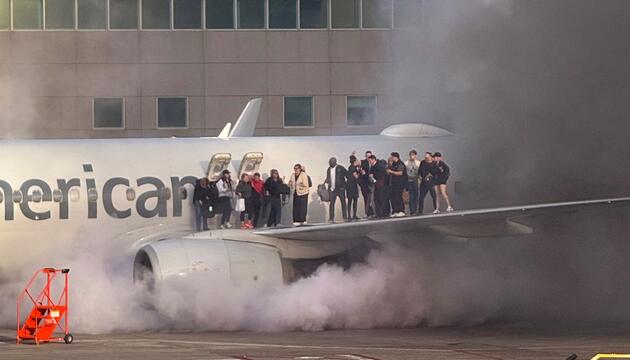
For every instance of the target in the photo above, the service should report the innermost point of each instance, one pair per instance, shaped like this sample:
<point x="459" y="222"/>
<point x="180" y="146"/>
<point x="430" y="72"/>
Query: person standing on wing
<point x="441" y="173"/>
<point x="427" y="182"/>
<point x="336" y="176"/>
<point x="299" y="184"/>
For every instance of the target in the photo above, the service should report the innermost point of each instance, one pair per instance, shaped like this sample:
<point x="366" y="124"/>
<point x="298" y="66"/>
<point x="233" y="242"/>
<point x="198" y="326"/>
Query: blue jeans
<point x="412" y="187"/>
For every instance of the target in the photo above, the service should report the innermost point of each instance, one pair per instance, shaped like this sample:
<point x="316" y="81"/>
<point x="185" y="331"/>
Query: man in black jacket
<point x="336" y="176"/>
<point x="378" y="176"/>
<point x="367" y="188"/>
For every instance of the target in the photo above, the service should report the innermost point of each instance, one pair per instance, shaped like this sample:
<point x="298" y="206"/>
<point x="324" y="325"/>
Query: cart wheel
<point x="68" y="338"/>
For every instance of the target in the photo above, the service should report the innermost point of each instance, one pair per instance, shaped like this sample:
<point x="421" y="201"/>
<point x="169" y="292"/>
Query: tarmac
<point x="551" y="341"/>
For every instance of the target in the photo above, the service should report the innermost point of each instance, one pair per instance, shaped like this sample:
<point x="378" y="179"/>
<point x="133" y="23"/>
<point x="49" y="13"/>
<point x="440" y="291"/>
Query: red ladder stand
<point x="46" y="315"/>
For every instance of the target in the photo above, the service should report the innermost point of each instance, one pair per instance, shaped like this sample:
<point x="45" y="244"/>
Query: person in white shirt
<point x="413" y="166"/>
<point x="225" y="187"/>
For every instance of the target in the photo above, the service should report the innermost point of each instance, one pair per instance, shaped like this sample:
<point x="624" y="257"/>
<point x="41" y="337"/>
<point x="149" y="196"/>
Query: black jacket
<point x="273" y="188"/>
<point x="202" y="194"/>
<point x="341" y="174"/>
<point x="426" y="171"/>
<point x="365" y="165"/>
<point x="380" y="173"/>
<point x="398" y="181"/>
<point x="441" y="171"/>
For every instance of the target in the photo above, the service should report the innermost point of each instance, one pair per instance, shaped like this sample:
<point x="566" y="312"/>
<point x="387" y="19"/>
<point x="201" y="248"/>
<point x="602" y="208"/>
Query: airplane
<point x="131" y="199"/>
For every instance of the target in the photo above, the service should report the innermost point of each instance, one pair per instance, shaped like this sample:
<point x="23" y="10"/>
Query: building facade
<point x="159" y="68"/>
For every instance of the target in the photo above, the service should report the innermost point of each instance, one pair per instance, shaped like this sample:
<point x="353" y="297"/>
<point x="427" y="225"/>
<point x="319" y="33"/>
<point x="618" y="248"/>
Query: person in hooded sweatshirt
<point x="225" y="186"/>
<point x="244" y="191"/>
<point x="273" y="195"/>
<point x="202" y="199"/>
<point x="258" y="192"/>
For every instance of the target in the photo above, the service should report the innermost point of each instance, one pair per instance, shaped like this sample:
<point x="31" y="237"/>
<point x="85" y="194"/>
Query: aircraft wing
<point x="479" y="223"/>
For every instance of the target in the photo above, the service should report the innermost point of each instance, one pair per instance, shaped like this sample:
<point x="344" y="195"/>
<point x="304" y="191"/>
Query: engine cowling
<point x="213" y="259"/>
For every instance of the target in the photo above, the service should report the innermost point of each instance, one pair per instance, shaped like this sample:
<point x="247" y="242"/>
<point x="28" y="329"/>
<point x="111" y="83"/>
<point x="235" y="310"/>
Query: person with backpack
<point x="226" y="193"/>
<point x="300" y="184"/>
<point x="202" y="199"/>
<point x="244" y="192"/>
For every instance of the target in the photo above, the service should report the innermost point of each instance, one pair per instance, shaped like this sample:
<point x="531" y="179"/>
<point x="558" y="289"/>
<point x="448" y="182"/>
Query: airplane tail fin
<point x="245" y="126"/>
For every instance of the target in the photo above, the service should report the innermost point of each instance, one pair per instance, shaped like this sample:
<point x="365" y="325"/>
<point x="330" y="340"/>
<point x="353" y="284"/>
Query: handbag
<point x="323" y="192"/>
<point x="240" y="205"/>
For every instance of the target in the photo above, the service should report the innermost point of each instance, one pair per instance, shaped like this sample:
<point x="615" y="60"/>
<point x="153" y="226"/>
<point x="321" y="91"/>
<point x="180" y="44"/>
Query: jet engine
<point x="211" y="259"/>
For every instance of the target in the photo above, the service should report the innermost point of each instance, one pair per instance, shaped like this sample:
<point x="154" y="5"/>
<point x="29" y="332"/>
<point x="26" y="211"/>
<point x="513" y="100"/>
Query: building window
<point x="5" y="14"/>
<point x="92" y="14"/>
<point x="123" y="14"/>
<point x="361" y="110"/>
<point x="220" y="14"/>
<point x="407" y="13"/>
<point x="109" y="113"/>
<point x="282" y="14"/>
<point x="172" y="112"/>
<point x="156" y="14"/>
<point x="345" y="14"/>
<point x="298" y="111"/>
<point x="314" y="14"/>
<point x="59" y="14"/>
<point x="377" y="14"/>
<point x="251" y="14"/>
<point x="187" y="14"/>
<point x="27" y="14"/>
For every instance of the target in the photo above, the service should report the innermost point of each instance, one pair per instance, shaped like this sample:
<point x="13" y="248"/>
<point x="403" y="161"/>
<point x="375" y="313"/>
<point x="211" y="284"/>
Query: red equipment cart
<point x="46" y="315"/>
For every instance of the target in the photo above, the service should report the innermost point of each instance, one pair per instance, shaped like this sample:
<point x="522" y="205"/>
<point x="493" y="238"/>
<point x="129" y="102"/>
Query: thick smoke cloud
<point x="540" y="88"/>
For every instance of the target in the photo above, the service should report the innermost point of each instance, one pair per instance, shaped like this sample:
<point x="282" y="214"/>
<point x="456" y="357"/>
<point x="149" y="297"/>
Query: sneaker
<point x="296" y="224"/>
<point x="222" y="227"/>
<point x="450" y="209"/>
<point x="249" y="225"/>
<point x="305" y="223"/>
<point x="228" y="225"/>
<point x="436" y="211"/>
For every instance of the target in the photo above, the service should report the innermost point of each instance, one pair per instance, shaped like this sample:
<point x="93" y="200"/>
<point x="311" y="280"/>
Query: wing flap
<point x="480" y="223"/>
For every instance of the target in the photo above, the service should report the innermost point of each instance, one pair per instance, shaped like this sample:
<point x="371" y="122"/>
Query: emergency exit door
<point x="218" y="163"/>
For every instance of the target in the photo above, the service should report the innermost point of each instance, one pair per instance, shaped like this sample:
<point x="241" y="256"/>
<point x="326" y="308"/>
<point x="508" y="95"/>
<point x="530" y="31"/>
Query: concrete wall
<point x="48" y="78"/>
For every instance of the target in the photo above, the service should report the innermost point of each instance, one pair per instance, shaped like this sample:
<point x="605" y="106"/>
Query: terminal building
<point x="161" y="68"/>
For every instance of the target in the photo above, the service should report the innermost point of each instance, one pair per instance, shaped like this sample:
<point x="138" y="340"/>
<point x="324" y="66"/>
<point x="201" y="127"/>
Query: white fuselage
<point x="95" y="205"/>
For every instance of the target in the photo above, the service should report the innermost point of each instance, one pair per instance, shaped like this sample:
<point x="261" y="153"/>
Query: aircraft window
<point x="156" y="14"/>
<point x="282" y="14"/>
<point x="123" y="14"/>
<point x="17" y="196"/>
<point x="27" y="14"/>
<point x="92" y="195"/>
<point x="377" y="14"/>
<point x="92" y="14"/>
<point x="1" y="198"/>
<point x="172" y="112"/>
<point x="130" y="194"/>
<point x="345" y="14"/>
<point x="220" y="14"/>
<point x="75" y="195"/>
<point x="109" y="113"/>
<point x="298" y="111"/>
<point x="314" y="14"/>
<point x="5" y="14"/>
<point x="183" y="193"/>
<point x="187" y="14"/>
<point x="57" y="195"/>
<point x="36" y="196"/>
<point x="59" y="14"/>
<point x="361" y="110"/>
<point x="251" y="14"/>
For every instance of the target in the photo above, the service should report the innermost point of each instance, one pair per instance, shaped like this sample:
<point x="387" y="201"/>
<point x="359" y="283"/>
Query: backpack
<point x="214" y="191"/>
<point x="324" y="194"/>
